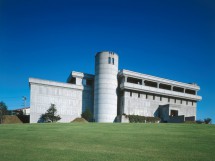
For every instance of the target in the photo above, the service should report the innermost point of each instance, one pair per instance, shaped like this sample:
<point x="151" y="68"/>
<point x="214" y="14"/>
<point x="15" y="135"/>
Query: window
<point x="109" y="60"/>
<point x="188" y="91"/>
<point x="150" y="84"/>
<point x="134" y="80"/>
<point x="174" y="113"/>
<point x="146" y="96"/>
<point x="153" y="97"/>
<point x="164" y="86"/>
<point x="138" y="95"/>
<point x="168" y="99"/>
<point x="113" y="61"/>
<point x="178" y="89"/>
<point x="130" y="93"/>
<point x="160" y="98"/>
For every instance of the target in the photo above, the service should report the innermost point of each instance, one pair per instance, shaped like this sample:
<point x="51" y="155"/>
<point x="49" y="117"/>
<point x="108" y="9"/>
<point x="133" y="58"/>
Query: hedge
<point x="142" y="119"/>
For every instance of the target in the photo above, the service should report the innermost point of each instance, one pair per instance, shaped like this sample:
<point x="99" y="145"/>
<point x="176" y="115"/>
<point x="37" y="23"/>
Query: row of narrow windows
<point x="161" y="85"/>
<point x="161" y="98"/>
<point x="87" y="82"/>
<point x="109" y="60"/>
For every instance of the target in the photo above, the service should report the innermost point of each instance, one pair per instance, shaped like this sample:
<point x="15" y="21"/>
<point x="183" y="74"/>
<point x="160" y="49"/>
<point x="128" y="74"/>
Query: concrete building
<point x="112" y="92"/>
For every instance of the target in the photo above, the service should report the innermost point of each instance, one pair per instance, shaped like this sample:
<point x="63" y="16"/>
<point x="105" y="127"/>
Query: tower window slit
<point x="109" y="60"/>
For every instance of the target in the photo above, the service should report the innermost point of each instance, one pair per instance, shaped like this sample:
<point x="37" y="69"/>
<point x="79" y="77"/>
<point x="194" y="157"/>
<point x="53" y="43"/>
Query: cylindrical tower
<point x="105" y="89"/>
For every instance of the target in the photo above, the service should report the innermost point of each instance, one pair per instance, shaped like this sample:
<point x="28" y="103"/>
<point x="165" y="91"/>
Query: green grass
<point x="107" y="142"/>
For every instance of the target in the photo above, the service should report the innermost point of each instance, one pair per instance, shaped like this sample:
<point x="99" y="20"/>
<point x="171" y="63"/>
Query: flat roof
<point x="157" y="79"/>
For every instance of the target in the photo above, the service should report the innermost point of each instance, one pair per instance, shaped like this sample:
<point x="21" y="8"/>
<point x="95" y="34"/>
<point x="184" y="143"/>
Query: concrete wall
<point x="66" y="97"/>
<point x="148" y="104"/>
<point x="185" y="110"/>
<point x="143" y="105"/>
<point x="105" y="90"/>
<point x="88" y="99"/>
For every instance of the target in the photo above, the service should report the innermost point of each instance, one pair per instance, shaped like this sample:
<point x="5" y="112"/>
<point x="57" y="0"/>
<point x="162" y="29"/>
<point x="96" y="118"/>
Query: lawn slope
<point x="107" y="142"/>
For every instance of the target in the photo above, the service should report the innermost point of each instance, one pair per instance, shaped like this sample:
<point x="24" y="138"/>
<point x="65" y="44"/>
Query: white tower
<point x="105" y="89"/>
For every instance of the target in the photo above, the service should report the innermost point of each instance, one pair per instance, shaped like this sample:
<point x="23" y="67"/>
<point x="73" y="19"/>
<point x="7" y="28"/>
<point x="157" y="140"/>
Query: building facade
<point x="112" y="92"/>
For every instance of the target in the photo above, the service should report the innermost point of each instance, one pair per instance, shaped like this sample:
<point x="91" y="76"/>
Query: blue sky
<point x="48" y="39"/>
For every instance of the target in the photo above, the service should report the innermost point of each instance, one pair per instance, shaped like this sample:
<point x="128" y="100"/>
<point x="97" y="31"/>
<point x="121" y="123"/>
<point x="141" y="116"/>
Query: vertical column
<point x="125" y="79"/>
<point x="158" y="84"/>
<point x="79" y="81"/>
<point x="143" y="82"/>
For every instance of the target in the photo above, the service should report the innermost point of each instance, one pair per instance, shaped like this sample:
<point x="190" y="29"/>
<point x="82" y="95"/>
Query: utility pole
<point x="24" y="100"/>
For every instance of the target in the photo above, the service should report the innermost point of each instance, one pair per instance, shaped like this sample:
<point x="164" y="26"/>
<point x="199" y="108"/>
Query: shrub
<point x="199" y="121"/>
<point x="87" y="115"/>
<point x="142" y="119"/>
<point x="208" y="121"/>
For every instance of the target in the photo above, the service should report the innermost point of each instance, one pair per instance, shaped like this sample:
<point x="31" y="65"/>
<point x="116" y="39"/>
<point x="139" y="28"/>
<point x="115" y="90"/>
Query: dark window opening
<point x="165" y="86"/>
<point x="146" y="96"/>
<point x="109" y="60"/>
<point x="134" y="80"/>
<point x="73" y="81"/>
<point x="168" y="99"/>
<point x="153" y="97"/>
<point x="160" y="98"/>
<point x="89" y="82"/>
<point x="113" y="61"/>
<point x="138" y="95"/>
<point x="186" y="102"/>
<point x="178" y="89"/>
<point x="150" y="84"/>
<point x="188" y="91"/>
<point x="174" y="113"/>
<point x="130" y="93"/>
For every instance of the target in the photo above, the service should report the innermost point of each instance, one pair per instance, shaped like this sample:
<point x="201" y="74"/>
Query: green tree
<point x="87" y="115"/>
<point x="3" y="111"/>
<point x="51" y="115"/>
<point x="208" y="120"/>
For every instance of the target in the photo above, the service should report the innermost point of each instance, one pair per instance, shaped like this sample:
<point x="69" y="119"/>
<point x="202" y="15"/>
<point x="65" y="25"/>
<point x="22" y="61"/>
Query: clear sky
<point x="48" y="39"/>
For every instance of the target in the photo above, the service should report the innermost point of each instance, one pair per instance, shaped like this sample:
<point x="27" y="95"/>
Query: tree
<point x="208" y="121"/>
<point x="50" y="115"/>
<point x="87" y="115"/>
<point x="3" y="111"/>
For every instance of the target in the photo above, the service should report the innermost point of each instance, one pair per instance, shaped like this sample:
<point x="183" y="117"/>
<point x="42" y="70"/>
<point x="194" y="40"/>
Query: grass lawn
<point x="106" y="142"/>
